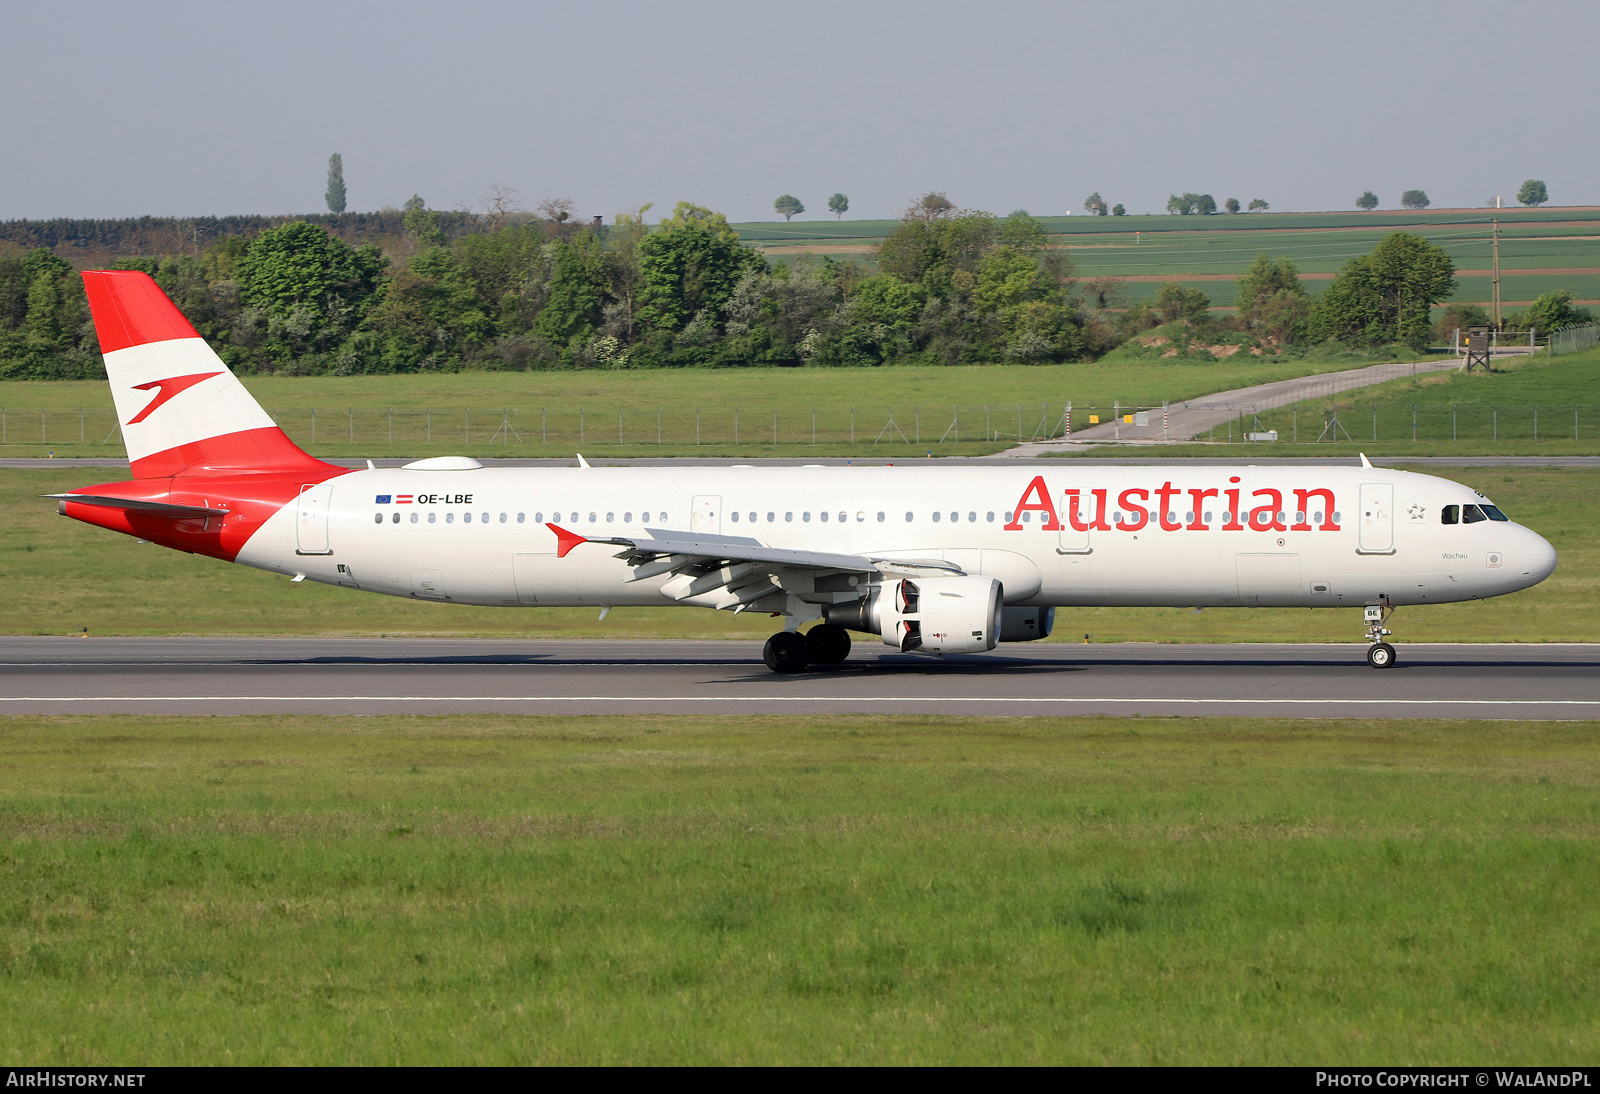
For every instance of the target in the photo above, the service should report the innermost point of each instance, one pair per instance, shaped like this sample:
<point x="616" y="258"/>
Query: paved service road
<point x="1191" y="418"/>
<point x="427" y="676"/>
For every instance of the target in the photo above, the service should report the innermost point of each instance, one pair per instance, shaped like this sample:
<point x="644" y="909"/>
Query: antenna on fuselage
<point x="1364" y="461"/>
<point x="581" y="461"/>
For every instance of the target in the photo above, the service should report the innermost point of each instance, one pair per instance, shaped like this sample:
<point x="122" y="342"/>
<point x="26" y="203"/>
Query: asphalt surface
<point x="424" y="676"/>
<point x="1186" y="420"/>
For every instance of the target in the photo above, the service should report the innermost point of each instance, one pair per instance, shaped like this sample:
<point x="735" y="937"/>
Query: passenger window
<point x="788" y="517"/>
<point x="485" y="517"/>
<point x="1008" y="516"/>
<point x="502" y="518"/>
<point x="397" y="518"/>
<point x="377" y="518"/>
<point x="735" y="517"/>
<point x="908" y="518"/>
<point x="449" y="518"/>
<point x="627" y="518"/>
<point x="936" y="516"/>
<point x="1493" y="512"/>
<point x="432" y="517"/>
<point x="806" y="517"/>
<point x="880" y="518"/>
<point x="538" y="518"/>
<point x="955" y="518"/>
<point x="752" y="518"/>
<point x="1471" y="514"/>
<point x="611" y="518"/>
<point x="991" y="518"/>
<point x="413" y="518"/>
<point x="972" y="518"/>
<point x="771" y="517"/>
<point x="593" y="519"/>
<point x="466" y="518"/>
<point x="843" y="517"/>
<point x="824" y="517"/>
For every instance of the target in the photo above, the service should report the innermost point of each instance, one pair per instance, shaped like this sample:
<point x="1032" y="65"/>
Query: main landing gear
<point x="789" y="651"/>
<point x="1380" y="655"/>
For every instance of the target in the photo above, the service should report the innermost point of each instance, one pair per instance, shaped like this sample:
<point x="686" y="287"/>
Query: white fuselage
<point x="1054" y="534"/>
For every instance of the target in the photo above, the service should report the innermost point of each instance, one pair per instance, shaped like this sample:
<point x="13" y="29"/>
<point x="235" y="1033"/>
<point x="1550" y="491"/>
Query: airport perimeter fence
<point x="508" y="430"/>
<point x="1575" y="339"/>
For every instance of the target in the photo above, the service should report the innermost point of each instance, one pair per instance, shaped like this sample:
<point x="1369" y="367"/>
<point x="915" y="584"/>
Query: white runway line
<point x="1080" y="701"/>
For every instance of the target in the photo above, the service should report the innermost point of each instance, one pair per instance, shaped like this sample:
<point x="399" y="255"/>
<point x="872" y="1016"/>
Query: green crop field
<point x="63" y="576"/>
<point x="1195" y="250"/>
<point x="845" y="411"/>
<point x="507" y="890"/>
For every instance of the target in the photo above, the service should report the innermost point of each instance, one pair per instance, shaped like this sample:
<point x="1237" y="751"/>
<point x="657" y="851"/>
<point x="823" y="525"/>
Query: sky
<point x="188" y="109"/>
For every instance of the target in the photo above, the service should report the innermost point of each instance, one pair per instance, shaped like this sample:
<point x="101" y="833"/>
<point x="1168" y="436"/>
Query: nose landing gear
<point x="1380" y="655"/>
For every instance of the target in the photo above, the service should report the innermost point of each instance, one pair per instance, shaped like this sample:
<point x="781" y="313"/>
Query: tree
<point x="1386" y="296"/>
<point x="1553" y="310"/>
<point x="1367" y="201"/>
<point x="1205" y="205"/>
<point x="1178" y="302"/>
<point x="413" y="202"/>
<point x="839" y="205"/>
<point x="930" y="207"/>
<point x="1256" y="204"/>
<point x="1095" y="204"/>
<point x="1415" y="199"/>
<point x="689" y="271"/>
<point x="335" y="194"/>
<point x="1118" y="211"/>
<point x="1533" y="192"/>
<point x="1232" y="205"/>
<point x="787" y="206"/>
<point x="301" y="267"/>
<point x="1202" y="204"/>
<point x="1180" y="205"/>
<point x="422" y="225"/>
<point x="1272" y="300"/>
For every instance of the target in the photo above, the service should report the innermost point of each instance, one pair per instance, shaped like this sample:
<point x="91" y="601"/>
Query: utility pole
<point x="1496" y="273"/>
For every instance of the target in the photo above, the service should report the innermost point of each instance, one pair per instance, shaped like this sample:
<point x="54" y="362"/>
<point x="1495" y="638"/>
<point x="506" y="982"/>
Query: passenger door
<point x="1376" y="531"/>
<point x="311" y="524"/>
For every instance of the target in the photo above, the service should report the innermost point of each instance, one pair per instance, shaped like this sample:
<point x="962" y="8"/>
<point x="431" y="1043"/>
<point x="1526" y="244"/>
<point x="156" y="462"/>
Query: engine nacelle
<point x="1026" y="624"/>
<point x="930" y="615"/>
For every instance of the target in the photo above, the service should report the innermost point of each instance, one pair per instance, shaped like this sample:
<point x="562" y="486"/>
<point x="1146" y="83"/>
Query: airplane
<point x="934" y="558"/>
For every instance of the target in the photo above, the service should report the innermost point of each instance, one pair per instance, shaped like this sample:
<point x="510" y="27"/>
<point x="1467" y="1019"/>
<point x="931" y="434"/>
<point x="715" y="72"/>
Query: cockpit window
<point x="1451" y="514"/>
<point x="1493" y="512"/>
<point x="1471" y="514"/>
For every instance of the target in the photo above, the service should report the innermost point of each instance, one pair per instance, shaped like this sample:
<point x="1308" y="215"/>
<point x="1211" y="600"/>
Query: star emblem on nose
<point x="1417" y="512"/>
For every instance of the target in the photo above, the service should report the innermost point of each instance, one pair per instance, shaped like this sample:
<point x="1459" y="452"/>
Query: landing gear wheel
<point x="1380" y="655"/>
<point x="787" y="652"/>
<point x="828" y="644"/>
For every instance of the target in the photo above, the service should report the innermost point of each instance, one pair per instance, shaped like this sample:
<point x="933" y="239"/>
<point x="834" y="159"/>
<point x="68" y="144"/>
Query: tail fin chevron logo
<point x="173" y="385"/>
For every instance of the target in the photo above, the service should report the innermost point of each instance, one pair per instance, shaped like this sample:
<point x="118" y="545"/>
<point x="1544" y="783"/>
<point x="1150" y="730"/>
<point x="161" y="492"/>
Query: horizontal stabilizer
<point x="155" y="508"/>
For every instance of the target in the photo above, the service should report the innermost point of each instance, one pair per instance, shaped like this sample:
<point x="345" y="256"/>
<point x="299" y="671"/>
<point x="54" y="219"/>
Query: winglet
<point x="1364" y="461"/>
<point x="565" y="540"/>
<point x="581" y="461"/>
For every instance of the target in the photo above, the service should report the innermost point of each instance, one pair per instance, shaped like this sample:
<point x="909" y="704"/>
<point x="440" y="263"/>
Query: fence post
<point x="352" y="411"/>
<point x="1374" y="421"/>
<point x="1165" y="421"/>
<point x="580" y="426"/>
<point x="1494" y="423"/>
<point x="313" y="425"/>
<point x="813" y="427"/>
<point x="697" y="425"/>
<point x="852" y="425"/>
<point x="916" y="427"/>
<point x="1452" y="422"/>
<point x="735" y="425"/>
<point x="544" y="435"/>
<point x="391" y="425"/>
<point x="80" y="425"/>
<point x="1413" y="422"/>
<point x="658" y="425"/>
<point x="619" y="427"/>
<point x="774" y="427"/>
<point x="466" y="425"/>
<point x="1069" y="421"/>
<point x="1536" y="423"/>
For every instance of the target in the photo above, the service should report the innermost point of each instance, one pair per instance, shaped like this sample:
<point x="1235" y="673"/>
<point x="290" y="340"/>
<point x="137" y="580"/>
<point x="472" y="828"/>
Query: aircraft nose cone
<point x="1538" y="558"/>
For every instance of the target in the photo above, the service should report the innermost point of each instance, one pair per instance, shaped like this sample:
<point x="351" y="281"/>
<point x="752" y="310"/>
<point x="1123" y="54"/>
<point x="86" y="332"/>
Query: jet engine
<point x="930" y="615"/>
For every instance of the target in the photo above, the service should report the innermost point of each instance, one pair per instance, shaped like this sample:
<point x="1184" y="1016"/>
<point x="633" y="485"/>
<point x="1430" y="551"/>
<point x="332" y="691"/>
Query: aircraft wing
<point x="735" y="563"/>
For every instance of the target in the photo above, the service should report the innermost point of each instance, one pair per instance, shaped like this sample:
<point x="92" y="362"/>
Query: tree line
<point x="506" y="290"/>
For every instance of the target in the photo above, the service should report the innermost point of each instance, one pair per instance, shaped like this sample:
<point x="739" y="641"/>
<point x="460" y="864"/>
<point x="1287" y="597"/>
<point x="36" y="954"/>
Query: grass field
<point x="62" y="576"/>
<point x="1533" y="404"/>
<point x="557" y="413"/>
<point x="503" y="890"/>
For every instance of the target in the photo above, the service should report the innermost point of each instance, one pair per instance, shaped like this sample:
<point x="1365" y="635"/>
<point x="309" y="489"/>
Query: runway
<point x="611" y="677"/>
